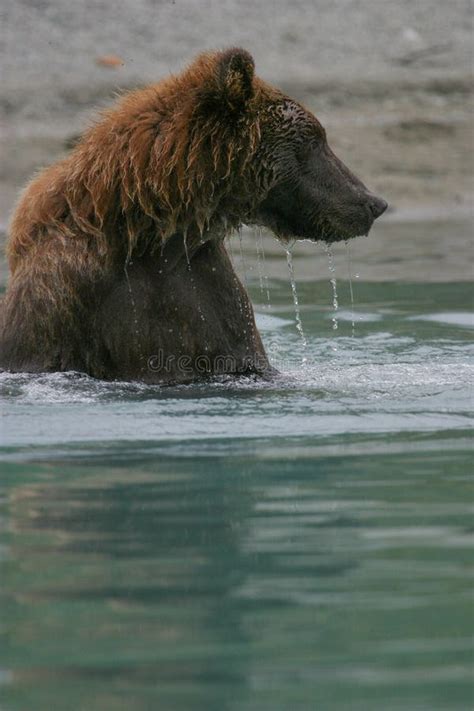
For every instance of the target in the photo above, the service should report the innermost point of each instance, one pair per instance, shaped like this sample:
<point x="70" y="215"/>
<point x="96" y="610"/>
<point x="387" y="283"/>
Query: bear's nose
<point x="377" y="206"/>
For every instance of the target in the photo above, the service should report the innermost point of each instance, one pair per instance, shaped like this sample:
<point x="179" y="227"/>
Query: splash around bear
<point x="117" y="256"/>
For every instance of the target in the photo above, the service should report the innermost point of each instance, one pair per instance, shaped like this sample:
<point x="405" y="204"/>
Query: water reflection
<point x="238" y="581"/>
<point x="133" y="574"/>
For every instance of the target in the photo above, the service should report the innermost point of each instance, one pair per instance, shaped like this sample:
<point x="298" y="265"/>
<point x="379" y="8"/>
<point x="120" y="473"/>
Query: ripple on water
<point x="396" y="376"/>
<point x="322" y="400"/>
<point x="464" y="320"/>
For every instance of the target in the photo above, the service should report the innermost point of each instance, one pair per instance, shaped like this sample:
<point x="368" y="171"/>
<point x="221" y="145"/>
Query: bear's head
<point x="299" y="188"/>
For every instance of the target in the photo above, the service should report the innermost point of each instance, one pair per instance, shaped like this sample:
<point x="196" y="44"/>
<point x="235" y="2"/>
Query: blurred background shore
<point x="391" y="82"/>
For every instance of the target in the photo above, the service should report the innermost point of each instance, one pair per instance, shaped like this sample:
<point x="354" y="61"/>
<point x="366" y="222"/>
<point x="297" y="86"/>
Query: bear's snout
<point x="377" y="206"/>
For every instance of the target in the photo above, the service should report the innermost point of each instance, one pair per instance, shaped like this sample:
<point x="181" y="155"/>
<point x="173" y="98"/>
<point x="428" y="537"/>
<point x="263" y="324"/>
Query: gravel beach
<point x="391" y="82"/>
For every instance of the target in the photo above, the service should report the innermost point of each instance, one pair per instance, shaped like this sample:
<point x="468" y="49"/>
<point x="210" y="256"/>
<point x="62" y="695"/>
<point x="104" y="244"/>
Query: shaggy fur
<point x="183" y="161"/>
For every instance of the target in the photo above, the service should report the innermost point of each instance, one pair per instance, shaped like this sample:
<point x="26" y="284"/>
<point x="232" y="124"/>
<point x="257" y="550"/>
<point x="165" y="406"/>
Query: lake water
<point x="304" y="543"/>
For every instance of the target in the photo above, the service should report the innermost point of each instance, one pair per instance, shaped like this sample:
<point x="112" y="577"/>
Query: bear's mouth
<point x="323" y="231"/>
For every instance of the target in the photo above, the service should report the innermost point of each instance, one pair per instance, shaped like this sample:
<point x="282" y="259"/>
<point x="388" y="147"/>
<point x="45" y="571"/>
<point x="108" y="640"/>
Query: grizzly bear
<point x="117" y="255"/>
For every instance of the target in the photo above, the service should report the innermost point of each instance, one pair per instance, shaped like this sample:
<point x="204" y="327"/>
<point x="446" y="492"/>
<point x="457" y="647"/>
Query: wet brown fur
<point x="158" y="162"/>
<point x="116" y="252"/>
<point x="169" y="158"/>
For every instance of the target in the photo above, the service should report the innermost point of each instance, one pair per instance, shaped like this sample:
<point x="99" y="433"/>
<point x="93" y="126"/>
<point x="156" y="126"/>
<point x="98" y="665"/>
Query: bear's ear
<point x="235" y="71"/>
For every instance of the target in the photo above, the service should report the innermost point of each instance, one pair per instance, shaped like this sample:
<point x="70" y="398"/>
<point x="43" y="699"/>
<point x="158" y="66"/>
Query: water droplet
<point x="351" y="290"/>
<point x="242" y="259"/>
<point x="236" y="280"/>
<point x="127" y="264"/>
<point x="299" y="324"/>
<point x="333" y="282"/>
<point x="262" y="271"/>
<point x="186" y="252"/>
<point x="191" y="277"/>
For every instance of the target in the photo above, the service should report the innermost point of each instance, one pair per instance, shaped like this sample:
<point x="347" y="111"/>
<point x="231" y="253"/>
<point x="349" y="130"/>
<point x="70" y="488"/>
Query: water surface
<point x="295" y="544"/>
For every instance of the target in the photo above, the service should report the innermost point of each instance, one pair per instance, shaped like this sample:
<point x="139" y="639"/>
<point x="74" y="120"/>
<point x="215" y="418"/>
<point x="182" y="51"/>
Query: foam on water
<point x="337" y="398"/>
<point x="396" y="376"/>
<point x="336" y="377"/>
<point x="465" y="320"/>
<point x="362" y="316"/>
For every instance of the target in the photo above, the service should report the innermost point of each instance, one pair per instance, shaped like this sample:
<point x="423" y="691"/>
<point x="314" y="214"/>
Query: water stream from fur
<point x="245" y="309"/>
<point x="127" y="264"/>
<point x="333" y="282"/>
<point x="351" y="290"/>
<point x="299" y="324"/>
<point x="191" y="277"/>
<point x="242" y="259"/>
<point x="186" y="251"/>
<point x="236" y="279"/>
<point x="262" y="269"/>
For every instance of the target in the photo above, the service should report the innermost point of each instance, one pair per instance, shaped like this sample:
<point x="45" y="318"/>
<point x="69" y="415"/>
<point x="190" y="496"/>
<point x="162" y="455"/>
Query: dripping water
<point x="262" y="268"/>
<point x="299" y="325"/>
<point x="129" y="263"/>
<point x="242" y="259"/>
<point x="351" y="290"/>
<point x="191" y="276"/>
<point x="236" y="280"/>
<point x="246" y="309"/>
<point x="186" y="251"/>
<point x="333" y="282"/>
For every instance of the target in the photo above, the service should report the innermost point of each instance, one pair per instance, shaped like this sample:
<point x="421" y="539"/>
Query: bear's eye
<point x="311" y="146"/>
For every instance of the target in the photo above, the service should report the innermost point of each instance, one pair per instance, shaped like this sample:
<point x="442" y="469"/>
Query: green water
<point x="299" y="544"/>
